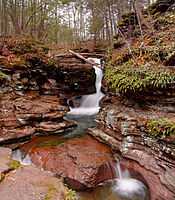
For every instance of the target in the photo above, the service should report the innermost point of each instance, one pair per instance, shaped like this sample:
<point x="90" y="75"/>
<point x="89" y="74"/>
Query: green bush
<point x="160" y="127"/>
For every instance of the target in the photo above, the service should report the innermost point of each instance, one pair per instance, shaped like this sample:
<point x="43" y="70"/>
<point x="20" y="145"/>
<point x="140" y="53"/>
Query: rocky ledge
<point x="27" y="182"/>
<point x="150" y="159"/>
<point x="23" y="116"/>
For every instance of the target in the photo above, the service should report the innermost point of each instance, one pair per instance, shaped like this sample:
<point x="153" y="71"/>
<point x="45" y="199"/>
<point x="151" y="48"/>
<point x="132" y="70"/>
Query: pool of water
<point x="108" y="192"/>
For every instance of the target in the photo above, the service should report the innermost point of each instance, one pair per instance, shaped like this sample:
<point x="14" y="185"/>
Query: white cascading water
<point x="19" y="156"/>
<point x="129" y="188"/>
<point x="90" y="103"/>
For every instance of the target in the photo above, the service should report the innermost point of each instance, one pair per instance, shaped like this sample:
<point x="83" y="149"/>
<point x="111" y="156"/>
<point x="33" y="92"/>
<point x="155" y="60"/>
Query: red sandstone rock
<point x="83" y="162"/>
<point x="30" y="183"/>
<point x="23" y="116"/>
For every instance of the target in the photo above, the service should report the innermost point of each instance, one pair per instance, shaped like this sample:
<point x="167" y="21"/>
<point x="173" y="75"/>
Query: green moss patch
<point x="51" y="143"/>
<point x="3" y="76"/>
<point x="160" y="128"/>
<point x="14" y="164"/>
<point x="71" y="195"/>
<point x="51" y="193"/>
<point x="127" y="79"/>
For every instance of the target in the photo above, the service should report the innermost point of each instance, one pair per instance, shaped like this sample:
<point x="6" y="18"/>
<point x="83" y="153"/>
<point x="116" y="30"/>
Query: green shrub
<point x="160" y="127"/>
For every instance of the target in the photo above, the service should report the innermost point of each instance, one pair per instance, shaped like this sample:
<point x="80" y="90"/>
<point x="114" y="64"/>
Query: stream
<point x="123" y="188"/>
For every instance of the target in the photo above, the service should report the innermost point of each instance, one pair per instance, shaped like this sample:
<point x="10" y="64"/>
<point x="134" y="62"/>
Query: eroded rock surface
<point x="83" y="162"/>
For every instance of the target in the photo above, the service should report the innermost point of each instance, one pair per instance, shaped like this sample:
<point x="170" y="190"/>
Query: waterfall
<point x="22" y="158"/>
<point x="127" y="187"/>
<point x="89" y="104"/>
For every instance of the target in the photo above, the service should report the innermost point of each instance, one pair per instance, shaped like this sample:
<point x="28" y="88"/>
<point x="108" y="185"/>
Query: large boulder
<point x="83" y="162"/>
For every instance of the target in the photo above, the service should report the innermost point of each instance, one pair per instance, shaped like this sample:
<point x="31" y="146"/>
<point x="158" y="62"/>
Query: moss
<point x="51" y="143"/>
<point x="51" y="193"/>
<point x="127" y="79"/>
<point x="14" y="164"/>
<point x="160" y="128"/>
<point x="3" y="76"/>
<point x="71" y="195"/>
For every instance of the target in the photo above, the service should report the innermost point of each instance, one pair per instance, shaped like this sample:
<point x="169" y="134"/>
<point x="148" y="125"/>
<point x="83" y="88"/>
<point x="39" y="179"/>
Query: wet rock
<point x="83" y="162"/>
<point x="30" y="183"/>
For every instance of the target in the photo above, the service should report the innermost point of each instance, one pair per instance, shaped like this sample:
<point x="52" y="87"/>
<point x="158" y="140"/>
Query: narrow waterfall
<point x="129" y="188"/>
<point x="89" y="104"/>
<point x="22" y="158"/>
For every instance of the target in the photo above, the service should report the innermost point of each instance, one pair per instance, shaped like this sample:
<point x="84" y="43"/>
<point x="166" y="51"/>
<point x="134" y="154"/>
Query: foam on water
<point x="89" y="104"/>
<point x="127" y="187"/>
<point x="130" y="188"/>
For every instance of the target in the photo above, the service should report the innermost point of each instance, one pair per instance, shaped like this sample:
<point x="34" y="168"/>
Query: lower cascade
<point x="89" y="104"/>
<point x="128" y="188"/>
<point x="21" y="157"/>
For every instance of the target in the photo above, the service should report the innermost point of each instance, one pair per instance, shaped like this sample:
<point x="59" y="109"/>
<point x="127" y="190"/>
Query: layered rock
<point x="151" y="160"/>
<point x="23" y="116"/>
<point x="77" y="76"/>
<point x="83" y="162"/>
